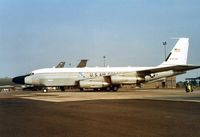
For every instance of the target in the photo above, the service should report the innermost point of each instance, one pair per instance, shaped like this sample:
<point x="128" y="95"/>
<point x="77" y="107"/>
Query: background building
<point x="164" y="83"/>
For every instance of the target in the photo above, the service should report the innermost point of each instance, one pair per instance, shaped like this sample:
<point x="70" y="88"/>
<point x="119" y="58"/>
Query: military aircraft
<point x="60" y="65"/>
<point x="81" y="64"/>
<point x="110" y="78"/>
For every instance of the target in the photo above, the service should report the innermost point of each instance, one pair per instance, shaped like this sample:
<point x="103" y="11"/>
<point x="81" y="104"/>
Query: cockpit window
<point x="28" y="74"/>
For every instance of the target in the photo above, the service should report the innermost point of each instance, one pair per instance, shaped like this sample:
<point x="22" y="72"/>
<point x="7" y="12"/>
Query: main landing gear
<point x="109" y="88"/>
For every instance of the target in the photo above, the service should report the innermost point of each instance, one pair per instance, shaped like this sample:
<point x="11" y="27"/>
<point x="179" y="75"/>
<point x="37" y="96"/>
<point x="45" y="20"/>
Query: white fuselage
<point x="70" y="76"/>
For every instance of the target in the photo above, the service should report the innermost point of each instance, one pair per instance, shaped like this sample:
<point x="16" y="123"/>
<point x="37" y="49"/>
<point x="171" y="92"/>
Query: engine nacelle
<point x="93" y="84"/>
<point x="126" y="80"/>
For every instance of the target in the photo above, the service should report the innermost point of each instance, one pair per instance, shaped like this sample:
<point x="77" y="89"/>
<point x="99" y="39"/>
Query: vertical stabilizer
<point x="60" y="65"/>
<point x="82" y="63"/>
<point x="179" y="54"/>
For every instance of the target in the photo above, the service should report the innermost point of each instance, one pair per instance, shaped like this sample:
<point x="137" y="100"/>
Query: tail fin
<point x="179" y="54"/>
<point x="82" y="63"/>
<point x="60" y="65"/>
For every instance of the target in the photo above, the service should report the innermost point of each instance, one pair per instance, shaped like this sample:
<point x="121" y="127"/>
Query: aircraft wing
<point x="180" y="68"/>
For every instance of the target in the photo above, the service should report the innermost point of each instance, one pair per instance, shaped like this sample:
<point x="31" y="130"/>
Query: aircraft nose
<point x="19" y="79"/>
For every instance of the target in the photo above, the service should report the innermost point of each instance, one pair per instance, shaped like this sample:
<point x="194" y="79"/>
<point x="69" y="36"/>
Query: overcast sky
<point x="40" y="33"/>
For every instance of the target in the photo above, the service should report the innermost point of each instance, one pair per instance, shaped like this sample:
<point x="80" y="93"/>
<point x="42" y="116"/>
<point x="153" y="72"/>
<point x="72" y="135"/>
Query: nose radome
<point x="19" y="80"/>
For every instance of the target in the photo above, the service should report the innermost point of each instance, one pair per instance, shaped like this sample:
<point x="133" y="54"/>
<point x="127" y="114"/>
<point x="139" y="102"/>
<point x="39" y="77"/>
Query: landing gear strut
<point x="62" y="89"/>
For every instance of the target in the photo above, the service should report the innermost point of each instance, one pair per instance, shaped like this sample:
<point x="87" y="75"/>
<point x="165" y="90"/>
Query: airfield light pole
<point x="104" y="61"/>
<point x="164" y="44"/>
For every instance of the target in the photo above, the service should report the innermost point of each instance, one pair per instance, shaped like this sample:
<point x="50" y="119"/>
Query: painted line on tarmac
<point x="82" y="96"/>
<point x="178" y="100"/>
<point x="72" y="99"/>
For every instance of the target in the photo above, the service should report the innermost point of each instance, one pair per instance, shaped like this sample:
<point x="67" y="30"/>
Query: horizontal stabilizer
<point x="180" y="68"/>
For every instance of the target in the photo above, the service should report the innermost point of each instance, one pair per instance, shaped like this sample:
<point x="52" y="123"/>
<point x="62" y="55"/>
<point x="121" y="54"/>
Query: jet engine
<point x="93" y="84"/>
<point x="126" y="80"/>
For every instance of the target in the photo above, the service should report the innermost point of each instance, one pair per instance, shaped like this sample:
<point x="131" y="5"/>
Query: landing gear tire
<point x="115" y="88"/>
<point x="108" y="88"/>
<point x="98" y="89"/>
<point x="45" y="90"/>
<point x="62" y="89"/>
